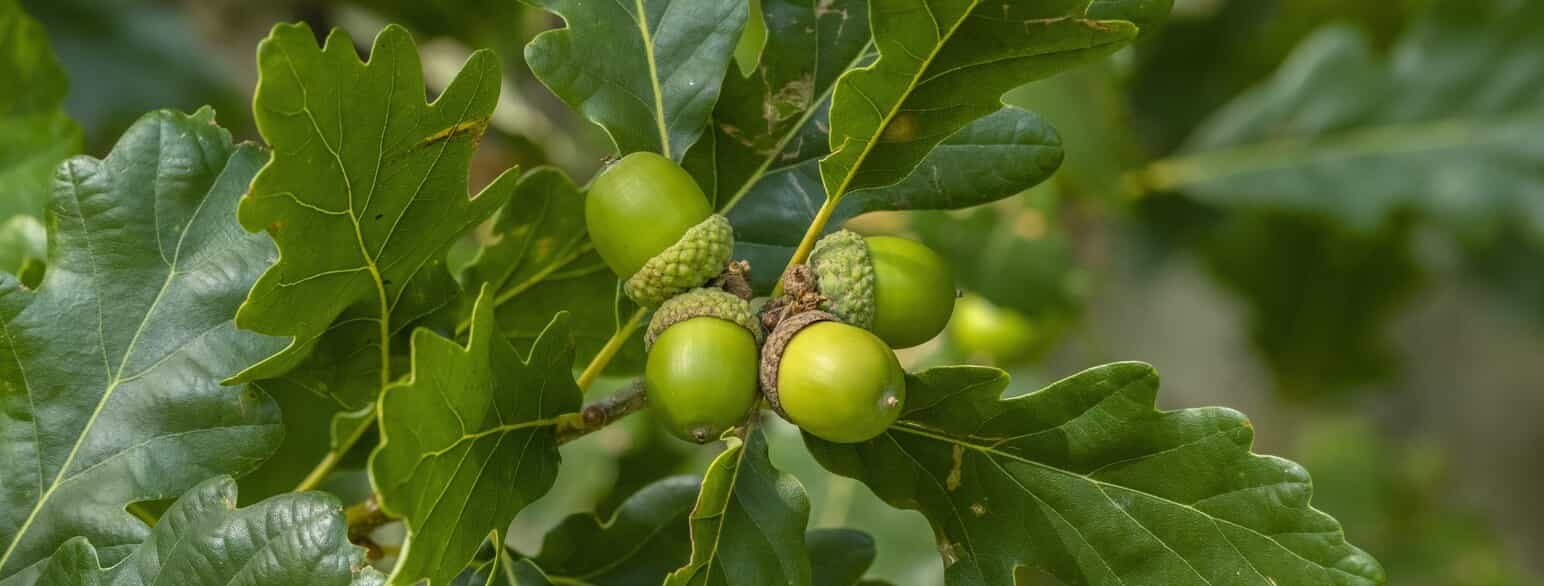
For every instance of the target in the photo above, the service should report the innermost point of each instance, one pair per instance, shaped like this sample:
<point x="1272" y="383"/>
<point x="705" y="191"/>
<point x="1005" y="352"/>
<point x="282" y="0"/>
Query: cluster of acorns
<point x="820" y="353"/>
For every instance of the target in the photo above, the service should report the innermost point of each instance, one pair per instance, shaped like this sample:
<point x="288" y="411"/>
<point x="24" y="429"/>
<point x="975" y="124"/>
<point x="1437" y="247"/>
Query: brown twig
<point x="599" y="414"/>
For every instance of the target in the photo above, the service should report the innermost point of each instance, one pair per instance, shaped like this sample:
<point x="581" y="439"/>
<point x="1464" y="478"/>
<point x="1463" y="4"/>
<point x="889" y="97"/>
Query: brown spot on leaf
<point x="946" y="549"/>
<point x="953" y="481"/>
<point x="902" y="128"/>
<point x="788" y="101"/>
<point x="474" y="127"/>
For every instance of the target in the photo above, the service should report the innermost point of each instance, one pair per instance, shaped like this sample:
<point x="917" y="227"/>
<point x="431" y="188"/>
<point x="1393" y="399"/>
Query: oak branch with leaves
<point x="287" y="312"/>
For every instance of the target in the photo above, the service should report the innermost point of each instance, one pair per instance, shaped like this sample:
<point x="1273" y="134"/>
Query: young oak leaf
<point x="295" y="538"/>
<point x="467" y="439"/>
<point x="367" y="183"/>
<point x="943" y="64"/>
<point x="110" y="371"/>
<point x="748" y="522"/>
<point x="1086" y="480"/>
<point x="647" y="71"/>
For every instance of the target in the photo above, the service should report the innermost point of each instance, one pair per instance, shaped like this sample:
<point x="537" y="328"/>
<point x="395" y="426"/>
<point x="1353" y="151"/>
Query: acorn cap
<point x="699" y="255"/>
<point x="845" y="276"/>
<point x="772" y="352"/>
<point x="704" y="302"/>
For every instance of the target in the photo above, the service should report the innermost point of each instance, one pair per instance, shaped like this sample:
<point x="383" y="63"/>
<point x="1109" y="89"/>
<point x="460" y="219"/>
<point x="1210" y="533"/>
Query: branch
<point x="324" y="467"/>
<point x="602" y="413"/>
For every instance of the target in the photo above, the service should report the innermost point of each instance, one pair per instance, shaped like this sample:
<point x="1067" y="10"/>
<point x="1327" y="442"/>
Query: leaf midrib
<point x="383" y="323"/>
<point x="659" y="96"/>
<point x="868" y="146"/>
<point x="734" y="479"/>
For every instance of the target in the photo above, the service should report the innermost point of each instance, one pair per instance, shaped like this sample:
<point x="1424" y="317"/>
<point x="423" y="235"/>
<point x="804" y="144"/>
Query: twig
<point x="602" y="413"/>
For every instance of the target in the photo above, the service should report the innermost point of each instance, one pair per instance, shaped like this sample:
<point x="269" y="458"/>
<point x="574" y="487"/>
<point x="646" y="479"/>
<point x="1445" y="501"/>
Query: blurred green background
<point x="1379" y="315"/>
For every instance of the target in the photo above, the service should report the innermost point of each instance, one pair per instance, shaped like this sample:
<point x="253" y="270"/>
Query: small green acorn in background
<point x="897" y="288"/>
<point x="1000" y="335"/>
<point x="701" y="373"/>
<point x="654" y="227"/>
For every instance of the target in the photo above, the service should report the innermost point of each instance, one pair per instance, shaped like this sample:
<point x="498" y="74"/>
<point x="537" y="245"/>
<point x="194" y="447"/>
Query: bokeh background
<point x="1328" y="214"/>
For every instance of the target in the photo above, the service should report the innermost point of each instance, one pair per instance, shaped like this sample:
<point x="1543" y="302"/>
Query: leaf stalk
<point x="601" y="413"/>
<point x="807" y="244"/>
<point x="609" y="351"/>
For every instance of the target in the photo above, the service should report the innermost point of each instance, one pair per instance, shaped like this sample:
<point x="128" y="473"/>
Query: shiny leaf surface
<point x="297" y="538"/>
<point x="111" y="370"/>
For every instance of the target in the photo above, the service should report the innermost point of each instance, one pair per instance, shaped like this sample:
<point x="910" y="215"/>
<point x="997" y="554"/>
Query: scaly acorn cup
<point x="845" y="276"/>
<point x="836" y="381"/>
<point x="897" y="288"/>
<point x="700" y="376"/>
<point x="699" y="255"/>
<point x="652" y="224"/>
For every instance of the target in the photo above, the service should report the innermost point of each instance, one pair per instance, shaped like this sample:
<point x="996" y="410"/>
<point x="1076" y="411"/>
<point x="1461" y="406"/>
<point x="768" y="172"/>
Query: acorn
<point x="897" y="288"/>
<point x="701" y="372"/>
<point x="654" y="227"/>
<point x="836" y="381"/>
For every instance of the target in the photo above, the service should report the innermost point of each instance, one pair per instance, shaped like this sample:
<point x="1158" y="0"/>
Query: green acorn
<point x="655" y="228"/>
<point x="701" y="373"/>
<point x="707" y="301"/>
<point x="699" y="255"/>
<point x="897" y="288"/>
<point x="836" y="381"/>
